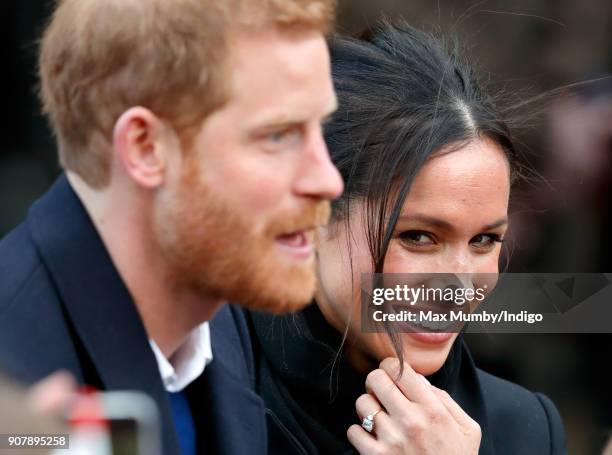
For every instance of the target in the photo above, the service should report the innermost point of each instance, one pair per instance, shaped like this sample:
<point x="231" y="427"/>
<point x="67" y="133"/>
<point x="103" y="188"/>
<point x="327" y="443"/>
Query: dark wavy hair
<point x="404" y="95"/>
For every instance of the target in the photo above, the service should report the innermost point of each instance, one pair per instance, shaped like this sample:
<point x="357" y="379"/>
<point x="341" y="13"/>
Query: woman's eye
<point x="486" y="241"/>
<point x="417" y="238"/>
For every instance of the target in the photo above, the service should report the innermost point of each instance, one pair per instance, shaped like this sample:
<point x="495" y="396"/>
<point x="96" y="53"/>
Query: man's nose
<point x="317" y="176"/>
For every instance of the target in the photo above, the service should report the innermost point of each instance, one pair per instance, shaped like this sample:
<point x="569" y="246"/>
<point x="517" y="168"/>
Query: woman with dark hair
<point x="428" y="165"/>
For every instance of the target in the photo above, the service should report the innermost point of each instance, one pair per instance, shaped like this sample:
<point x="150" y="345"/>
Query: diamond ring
<point x="368" y="422"/>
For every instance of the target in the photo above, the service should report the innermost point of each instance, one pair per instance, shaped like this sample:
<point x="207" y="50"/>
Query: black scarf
<point x="312" y="389"/>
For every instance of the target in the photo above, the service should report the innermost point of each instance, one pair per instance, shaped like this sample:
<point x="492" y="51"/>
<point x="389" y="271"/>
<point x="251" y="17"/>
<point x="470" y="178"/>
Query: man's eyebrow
<point x="283" y="117"/>
<point x="286" y="118"/>
<point x="276" y="119"/>
<point x="439" y="223"/>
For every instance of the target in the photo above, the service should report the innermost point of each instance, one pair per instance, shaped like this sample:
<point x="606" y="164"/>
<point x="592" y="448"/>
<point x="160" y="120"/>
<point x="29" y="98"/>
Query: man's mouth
<point x="297" y="243"/>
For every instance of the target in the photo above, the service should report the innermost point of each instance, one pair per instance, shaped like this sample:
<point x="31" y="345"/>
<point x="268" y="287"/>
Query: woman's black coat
<point x="310" y="399"/>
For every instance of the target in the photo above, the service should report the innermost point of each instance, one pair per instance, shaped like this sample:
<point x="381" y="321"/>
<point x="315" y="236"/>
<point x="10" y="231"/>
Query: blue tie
<point x="183" y="422"/>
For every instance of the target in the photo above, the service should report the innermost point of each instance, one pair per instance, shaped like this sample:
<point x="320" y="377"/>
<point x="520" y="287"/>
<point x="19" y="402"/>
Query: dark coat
<point x="64" y="306"/>
<point x="310" y="393"/>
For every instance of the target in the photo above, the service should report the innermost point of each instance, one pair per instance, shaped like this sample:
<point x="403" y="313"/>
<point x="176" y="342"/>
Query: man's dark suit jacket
<point x="64" y="306"/>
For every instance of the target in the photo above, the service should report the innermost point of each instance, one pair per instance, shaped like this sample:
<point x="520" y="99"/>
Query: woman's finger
<point x="364" y="442"/>
<point x="367" y="404"/>
<point x="384" y="428"/>
<point x="413" y="385"/>
<point x="460" y="416"/>
<point x="380" y="385"/>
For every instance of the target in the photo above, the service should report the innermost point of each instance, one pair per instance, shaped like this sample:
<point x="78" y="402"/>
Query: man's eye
<point x="283" y="136"/>
<point x="486" y="240"/>
<point x="418" y="238"/>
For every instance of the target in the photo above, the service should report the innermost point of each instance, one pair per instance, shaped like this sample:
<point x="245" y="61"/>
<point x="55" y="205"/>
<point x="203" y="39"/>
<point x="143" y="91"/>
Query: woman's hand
<point x="415" y="417"/>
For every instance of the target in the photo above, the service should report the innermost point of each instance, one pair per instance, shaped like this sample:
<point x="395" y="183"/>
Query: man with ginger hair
<point x="195" y="174"/>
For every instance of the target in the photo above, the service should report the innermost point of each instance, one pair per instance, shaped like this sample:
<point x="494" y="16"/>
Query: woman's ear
<point x="141" y="146"/>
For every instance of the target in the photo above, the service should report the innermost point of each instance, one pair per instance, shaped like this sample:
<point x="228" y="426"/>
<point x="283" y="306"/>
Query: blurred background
<point x="562" y="218"/>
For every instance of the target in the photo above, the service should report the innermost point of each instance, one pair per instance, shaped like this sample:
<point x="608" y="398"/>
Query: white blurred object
<point x="91" y="422"/>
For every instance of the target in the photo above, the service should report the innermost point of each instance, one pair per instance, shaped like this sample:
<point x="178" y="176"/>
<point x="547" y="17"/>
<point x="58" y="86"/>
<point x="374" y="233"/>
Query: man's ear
<point x="141" y="142"/>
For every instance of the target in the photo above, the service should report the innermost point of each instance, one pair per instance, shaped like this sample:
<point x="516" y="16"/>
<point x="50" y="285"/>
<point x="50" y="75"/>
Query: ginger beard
<point x="216" y="252"/>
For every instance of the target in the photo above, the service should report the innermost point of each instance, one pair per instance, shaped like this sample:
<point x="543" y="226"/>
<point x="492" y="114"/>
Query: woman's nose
<point x="461" y="261"/>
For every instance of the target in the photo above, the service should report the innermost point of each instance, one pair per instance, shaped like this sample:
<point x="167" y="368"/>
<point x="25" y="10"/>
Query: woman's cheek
<point x="489" y="263"/>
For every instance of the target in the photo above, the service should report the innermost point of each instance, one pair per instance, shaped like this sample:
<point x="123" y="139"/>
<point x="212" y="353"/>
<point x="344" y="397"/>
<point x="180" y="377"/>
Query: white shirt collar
<point x="188" y="362"/>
